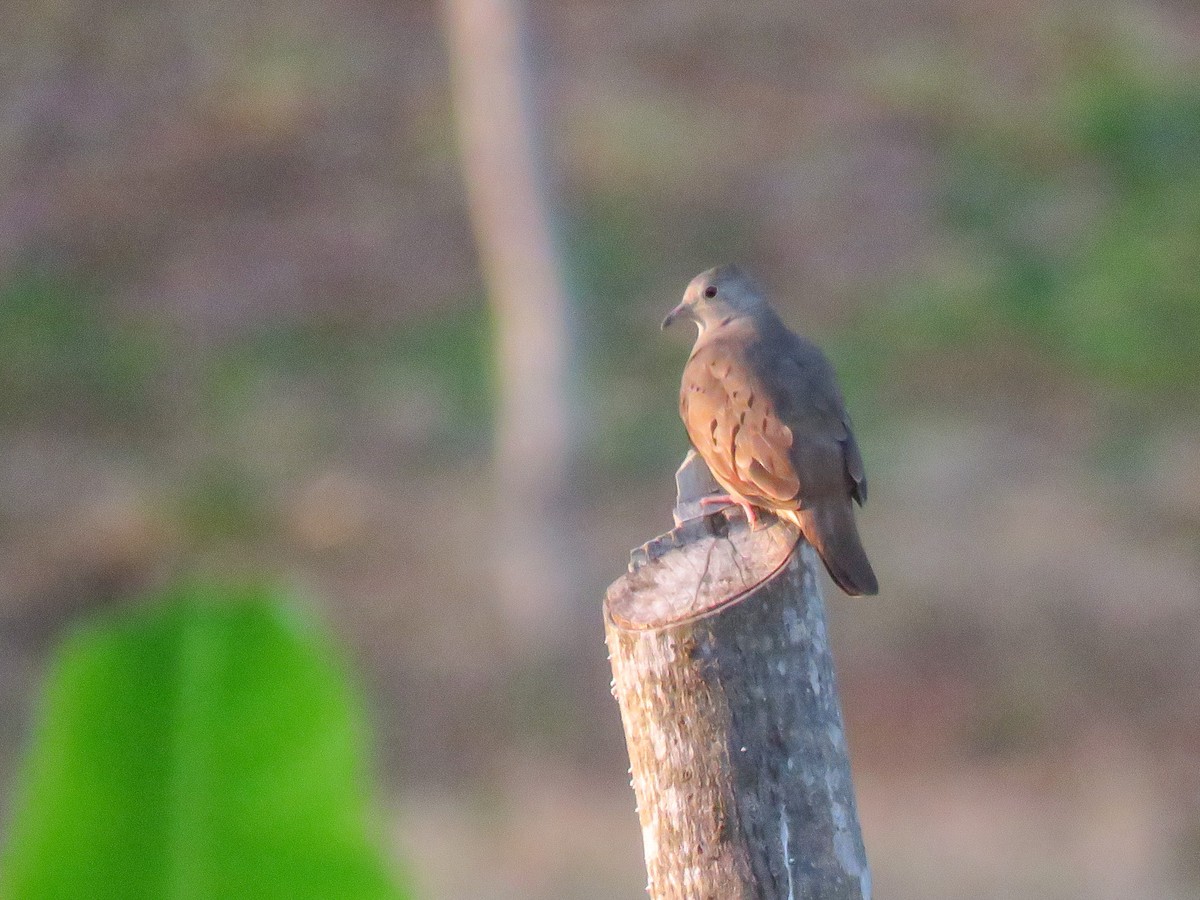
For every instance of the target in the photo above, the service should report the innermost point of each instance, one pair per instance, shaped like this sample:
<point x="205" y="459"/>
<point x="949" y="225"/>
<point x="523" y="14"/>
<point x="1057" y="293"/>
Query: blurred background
<point x="245" y="331"/>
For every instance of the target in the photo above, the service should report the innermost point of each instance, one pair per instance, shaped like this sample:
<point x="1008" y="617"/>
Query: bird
<point x="762" y="407"/>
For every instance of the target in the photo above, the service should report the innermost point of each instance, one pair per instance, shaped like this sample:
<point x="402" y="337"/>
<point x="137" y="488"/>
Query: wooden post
<point x="722" y="669"/>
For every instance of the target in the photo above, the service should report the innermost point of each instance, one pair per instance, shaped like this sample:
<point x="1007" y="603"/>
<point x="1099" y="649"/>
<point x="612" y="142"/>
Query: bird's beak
<point x="673" y="315"/>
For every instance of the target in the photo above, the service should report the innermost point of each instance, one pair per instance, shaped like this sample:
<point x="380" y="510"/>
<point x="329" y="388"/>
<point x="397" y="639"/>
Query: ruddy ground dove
<point x="762" y="407"/>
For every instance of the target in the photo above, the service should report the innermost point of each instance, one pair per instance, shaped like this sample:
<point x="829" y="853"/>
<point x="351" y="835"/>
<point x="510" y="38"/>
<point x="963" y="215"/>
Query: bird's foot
<point x="752" y="517"/>
<point x="725" y="501"/>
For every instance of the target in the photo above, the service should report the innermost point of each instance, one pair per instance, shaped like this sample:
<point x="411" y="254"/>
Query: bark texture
<point x="725" y="680"/>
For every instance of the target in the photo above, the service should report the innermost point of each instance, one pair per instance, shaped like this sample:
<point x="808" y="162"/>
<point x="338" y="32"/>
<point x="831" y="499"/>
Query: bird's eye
<point x="710" y="292"/>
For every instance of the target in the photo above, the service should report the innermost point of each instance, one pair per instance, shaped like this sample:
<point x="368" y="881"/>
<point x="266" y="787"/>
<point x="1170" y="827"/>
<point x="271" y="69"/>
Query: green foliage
<point x="453" y="352"/>
<point x="630" y="374"/>
<point x="206" y="746"/>
<point x="444" y="358"/>
<point x="1116" y="291"/>
<point x="612" y="260"/>
<point x="62" y="358"/>
<point x="1074" y="218"/>
<point x="220" y="502"/>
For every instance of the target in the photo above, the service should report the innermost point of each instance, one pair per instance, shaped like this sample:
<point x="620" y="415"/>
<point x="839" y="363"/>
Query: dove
<point x="762" y="407"/>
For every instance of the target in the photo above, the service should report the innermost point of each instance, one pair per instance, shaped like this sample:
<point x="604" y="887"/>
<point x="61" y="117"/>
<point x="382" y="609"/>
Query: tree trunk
<point x="511" y="214"/>
<point x="725" y="680"/>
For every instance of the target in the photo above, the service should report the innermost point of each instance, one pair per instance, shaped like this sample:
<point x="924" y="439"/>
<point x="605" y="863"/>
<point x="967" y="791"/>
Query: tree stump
<point x="723" y="672"/>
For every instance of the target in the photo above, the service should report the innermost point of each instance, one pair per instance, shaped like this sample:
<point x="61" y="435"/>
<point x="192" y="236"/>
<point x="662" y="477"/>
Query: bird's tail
<point x="831" y="529"/>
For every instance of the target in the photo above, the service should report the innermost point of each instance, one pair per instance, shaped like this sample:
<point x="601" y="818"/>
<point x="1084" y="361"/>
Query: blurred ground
<point x="242" y="331"/>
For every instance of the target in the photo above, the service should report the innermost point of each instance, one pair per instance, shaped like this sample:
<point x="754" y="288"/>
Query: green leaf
<point x="206" y="746"/>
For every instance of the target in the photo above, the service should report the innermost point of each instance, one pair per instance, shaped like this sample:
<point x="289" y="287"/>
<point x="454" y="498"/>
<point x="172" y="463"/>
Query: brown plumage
<point x="762" y="407"/>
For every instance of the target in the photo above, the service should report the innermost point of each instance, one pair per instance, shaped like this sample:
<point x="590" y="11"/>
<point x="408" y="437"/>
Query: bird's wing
<point x="731" y="419"/>
<point x="854" y="463"/>
<point x="805" y="392"/>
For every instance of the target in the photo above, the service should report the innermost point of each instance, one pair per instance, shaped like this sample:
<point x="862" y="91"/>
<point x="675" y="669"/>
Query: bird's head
<point x="717" y="296"/>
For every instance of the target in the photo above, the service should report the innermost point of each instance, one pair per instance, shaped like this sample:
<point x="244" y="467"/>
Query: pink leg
<point x="723" y="500"/>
